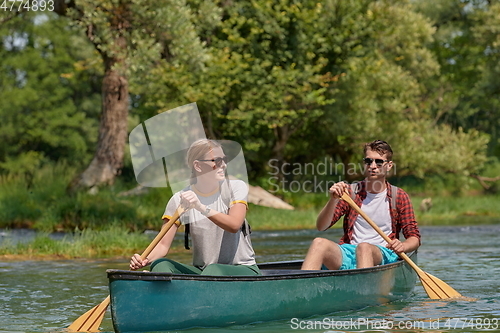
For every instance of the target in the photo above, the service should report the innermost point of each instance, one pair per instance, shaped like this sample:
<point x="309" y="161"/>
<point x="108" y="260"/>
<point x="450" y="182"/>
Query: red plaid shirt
<point x="403" y="217"/>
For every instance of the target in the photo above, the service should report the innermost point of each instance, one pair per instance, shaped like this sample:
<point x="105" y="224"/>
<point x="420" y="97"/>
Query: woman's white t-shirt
<point x="212" y="244"/>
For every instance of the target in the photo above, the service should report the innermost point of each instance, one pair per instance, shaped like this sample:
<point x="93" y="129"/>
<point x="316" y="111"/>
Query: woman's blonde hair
<point x="197" y="151"/>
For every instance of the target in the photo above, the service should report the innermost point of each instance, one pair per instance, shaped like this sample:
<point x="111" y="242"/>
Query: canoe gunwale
<point x="279" y="274"/>
<point x="143" y="301"/>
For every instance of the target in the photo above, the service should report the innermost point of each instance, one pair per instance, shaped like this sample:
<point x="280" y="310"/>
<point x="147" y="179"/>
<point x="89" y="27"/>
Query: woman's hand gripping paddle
<point x="434" y="287"/>
<point x="91" y="320"/>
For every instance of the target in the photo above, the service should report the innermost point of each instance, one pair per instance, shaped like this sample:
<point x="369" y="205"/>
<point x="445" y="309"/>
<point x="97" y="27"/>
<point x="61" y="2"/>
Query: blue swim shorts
<point x="349" y="256"/>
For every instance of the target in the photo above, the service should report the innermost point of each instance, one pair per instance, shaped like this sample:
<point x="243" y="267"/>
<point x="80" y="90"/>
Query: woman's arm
<point x="232" y="221"/>
<point x="160" y="250"/>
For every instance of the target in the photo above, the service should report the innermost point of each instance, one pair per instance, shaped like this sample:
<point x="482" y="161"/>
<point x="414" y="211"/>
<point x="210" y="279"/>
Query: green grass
<point x="264" y="218"/>
<point x="107" y="224"/>
<point x="111" y="242"/>
<point x="116" y="240"/>
<point x="43" y="203"/>
<point x="446" y="210"/>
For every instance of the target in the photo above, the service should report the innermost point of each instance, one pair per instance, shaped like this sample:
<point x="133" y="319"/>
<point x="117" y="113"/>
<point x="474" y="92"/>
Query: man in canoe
<point x="216" y="219"/>
<point x="361" y="246"/>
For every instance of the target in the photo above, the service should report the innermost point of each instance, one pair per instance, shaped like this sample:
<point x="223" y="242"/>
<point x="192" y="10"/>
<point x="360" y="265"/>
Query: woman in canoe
<point x="219" y="231"/>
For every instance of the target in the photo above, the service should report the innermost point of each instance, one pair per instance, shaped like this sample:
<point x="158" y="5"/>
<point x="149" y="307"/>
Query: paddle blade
<point x="90" y="320"/>
<point x="435" y="288"/>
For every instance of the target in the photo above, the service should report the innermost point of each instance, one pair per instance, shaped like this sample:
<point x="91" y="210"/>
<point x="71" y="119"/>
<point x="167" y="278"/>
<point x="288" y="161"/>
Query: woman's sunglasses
<point x="379" y="162"/>
<point x="218" y="161"/>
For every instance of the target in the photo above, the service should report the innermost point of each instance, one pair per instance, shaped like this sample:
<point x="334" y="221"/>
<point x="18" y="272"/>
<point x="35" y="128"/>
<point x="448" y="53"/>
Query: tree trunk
<point x="113" y="126"/>
<point x="108" y="158"/>
<point x="282" y="135"/>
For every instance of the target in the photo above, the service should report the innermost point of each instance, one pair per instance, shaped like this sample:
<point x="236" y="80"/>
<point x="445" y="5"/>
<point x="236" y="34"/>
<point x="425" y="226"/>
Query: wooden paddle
<point x="434" y="287"/>
<point x="91" y="320"/>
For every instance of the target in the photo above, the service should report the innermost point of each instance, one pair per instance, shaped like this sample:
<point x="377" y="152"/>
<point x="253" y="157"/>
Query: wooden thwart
<point x="91" y="320"/>
<point x="434" y="287"/>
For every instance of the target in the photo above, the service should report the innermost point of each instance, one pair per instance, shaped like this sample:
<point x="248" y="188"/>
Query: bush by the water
<point x="41" y="201"/>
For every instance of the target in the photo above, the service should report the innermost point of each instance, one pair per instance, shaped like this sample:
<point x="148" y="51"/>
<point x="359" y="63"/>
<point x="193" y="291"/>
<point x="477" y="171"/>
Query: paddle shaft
<point x="165" y="228"/>
<point x="403" y="255"/>
<point x="91" y="320"/>
<point x="434" y="287"/>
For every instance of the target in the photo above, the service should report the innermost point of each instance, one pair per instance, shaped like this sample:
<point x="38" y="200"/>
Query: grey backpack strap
<point x="226" y="193"/>
<point x="186" y="236"/>
<point x="354" y="190"/>
<point x="394" y="192"/>
<point x="185" y="221"/>
<point x="228" y="197"/>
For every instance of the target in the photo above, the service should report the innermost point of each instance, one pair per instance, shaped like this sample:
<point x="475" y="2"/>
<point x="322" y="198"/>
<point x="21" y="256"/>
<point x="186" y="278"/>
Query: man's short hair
<point x="380" y="147"/>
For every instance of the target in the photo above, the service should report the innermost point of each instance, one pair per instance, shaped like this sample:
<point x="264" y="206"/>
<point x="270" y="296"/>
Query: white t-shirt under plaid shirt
<point x="212" y="244"/>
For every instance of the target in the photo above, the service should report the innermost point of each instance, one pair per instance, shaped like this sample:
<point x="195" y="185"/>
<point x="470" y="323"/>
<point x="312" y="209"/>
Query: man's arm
<point x="408" y="225"/>
<point x="409" y="245"/>
<point x="325" y="217"/>
<point x="324" y="220"/>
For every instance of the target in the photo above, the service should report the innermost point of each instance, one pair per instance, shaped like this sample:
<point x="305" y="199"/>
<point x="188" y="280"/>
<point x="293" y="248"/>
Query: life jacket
<point x="227" y="198"/>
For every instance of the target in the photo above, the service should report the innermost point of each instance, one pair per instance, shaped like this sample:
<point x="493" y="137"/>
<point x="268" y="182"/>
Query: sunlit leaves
<point x="48" y="104"/>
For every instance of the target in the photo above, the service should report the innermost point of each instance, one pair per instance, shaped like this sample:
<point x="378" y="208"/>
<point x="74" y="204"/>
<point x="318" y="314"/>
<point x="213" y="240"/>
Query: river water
<point x="47" y="296"/>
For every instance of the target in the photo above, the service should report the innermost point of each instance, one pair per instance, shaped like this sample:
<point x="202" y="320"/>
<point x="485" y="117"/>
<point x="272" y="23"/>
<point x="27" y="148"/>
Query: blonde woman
<point x="219" y="231"/>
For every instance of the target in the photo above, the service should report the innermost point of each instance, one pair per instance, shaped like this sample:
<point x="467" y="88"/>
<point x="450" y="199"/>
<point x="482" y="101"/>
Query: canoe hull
<point x="143" y="301"/>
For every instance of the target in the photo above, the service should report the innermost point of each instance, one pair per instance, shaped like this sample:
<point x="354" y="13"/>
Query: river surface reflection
<point x="46" y="296"/>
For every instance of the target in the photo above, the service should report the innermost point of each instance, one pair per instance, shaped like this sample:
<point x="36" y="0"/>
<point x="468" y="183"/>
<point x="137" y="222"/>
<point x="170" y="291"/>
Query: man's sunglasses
<point x="218" y="161"/>
<point x="379" y="162"/>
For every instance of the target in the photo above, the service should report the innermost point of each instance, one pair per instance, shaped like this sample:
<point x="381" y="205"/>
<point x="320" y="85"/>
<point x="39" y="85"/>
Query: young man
<point x="361" y="246"/>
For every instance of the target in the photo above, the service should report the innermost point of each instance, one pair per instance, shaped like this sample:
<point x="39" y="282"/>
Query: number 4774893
<point x="27" y="5"/>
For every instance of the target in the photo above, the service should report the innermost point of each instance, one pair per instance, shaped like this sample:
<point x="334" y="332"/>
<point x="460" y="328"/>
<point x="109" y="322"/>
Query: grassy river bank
<point x="117" y="241"/>
<point x="109" y="224"/>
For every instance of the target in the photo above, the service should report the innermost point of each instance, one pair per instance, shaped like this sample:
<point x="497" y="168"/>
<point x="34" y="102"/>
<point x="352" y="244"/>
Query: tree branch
<point x="9" y="17"/>
<point x="482" y="180"/>
<point x="60" y="6"/>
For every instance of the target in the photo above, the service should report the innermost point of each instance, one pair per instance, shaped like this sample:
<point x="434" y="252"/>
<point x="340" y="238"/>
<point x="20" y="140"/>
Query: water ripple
<point x="47" y="296"/>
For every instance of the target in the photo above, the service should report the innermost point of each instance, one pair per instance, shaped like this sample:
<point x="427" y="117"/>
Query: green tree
<point x="466" y="45"/>
<point x="131" y="36"/>
<point x="300" y="80"/>
<point x="486" y="33"/>
<point x="49" y="98"/>
<point x="282" y="87"/>
<point x="264" y="81"/>
<point x="382" y="92"/>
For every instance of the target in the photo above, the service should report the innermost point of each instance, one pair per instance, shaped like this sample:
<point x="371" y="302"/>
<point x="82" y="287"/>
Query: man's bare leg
<point x="322" y="252"/>
<point x="367" y="255"/>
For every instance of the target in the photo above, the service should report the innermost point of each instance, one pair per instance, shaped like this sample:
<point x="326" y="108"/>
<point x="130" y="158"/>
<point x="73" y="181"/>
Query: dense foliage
<point x="49" y="101"/>
<point x="295" y="82"/>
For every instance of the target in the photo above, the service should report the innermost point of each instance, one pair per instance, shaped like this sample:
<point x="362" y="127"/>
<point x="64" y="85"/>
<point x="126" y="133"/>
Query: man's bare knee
<point x="332" y="255"/>
<point x="322" y="252"/>
<point x="363" y="248"/>
<point x="367" y="255"/>
<point x="320" y="243"/>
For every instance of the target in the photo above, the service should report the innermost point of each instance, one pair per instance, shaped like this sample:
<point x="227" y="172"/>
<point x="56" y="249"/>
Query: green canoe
<point x="146" y="302"/>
